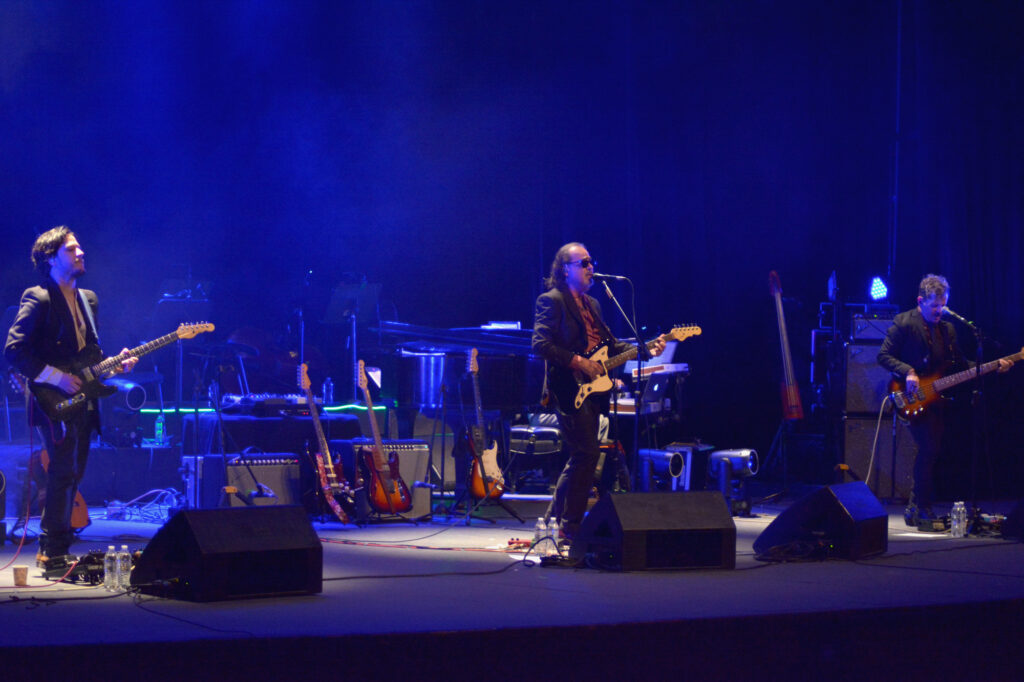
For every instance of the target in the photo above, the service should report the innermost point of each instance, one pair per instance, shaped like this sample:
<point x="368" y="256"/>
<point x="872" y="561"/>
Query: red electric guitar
<point x="334" y="486"/>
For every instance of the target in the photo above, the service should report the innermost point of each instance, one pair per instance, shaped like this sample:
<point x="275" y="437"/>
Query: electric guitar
<point x="387" y="491"/>
<point x="604" y="383"/>
<point x="486" y="479"/>
<point x="909" y="406"/>
<point x="334" y="486"/>
<point x="91" y="369"/>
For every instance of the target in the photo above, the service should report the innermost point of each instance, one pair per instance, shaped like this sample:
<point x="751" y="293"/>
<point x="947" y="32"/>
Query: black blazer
<point x="559" y="333"/>
<point x="43" y="332"/>
<point x="906" y="345"/>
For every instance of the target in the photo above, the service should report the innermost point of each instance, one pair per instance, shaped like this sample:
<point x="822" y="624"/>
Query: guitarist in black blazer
<point x="55" y="321"/>
<point x="567" y="325"/>
<point x="920" y="343"/>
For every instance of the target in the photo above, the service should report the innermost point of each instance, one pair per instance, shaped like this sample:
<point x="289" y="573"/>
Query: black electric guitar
<point x="909" y="406"/>
<point x="603" y="383"/>
<point x="92" y="369"/>
<point x="386" y="491"/>
<point x="334" y="486"/>
<point x="486" y="479"/>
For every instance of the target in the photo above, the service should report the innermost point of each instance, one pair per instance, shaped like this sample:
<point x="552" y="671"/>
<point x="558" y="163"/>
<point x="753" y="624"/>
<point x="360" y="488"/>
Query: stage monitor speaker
<point x="847" y="519"/>
<point x="867" y="382"/>
<point x="1013" y="524"/>
<point x="413" y="458"/>
<point x="644" y="531"/>
<point x="892" y="474"/>
<point x="216" y="554"/>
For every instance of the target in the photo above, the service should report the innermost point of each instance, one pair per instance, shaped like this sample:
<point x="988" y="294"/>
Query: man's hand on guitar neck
<point x="1006" y="363"/>
<point x="129" y="362"/>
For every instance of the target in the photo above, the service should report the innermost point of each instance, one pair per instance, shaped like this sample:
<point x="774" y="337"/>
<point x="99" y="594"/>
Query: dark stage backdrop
<point x="445" y="150"/>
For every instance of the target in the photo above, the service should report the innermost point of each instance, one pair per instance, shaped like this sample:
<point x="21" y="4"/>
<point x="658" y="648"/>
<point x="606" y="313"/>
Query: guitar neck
<point x="966" y="375"/>
<point x="626" y="356"/>
<point x="378" y="443"/>
<point x="320" y="439"/>
<point x="113" y="362"/>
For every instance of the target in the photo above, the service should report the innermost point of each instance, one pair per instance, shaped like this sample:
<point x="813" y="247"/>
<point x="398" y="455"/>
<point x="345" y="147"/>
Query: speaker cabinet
<point x="892" y="474"/>
<point x="279" y="473"/>
<point x="867" y="382"/>
<point x="413" y="459"/>
<point x="217" y="554"/>
<point x="645" y="531"/>
<point x="847" y="519"/>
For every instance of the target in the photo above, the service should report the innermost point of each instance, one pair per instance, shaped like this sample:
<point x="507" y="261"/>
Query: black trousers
<point x="579" y="429"/>
<point x="68" y="447"/>
<point x="927" y="431"/>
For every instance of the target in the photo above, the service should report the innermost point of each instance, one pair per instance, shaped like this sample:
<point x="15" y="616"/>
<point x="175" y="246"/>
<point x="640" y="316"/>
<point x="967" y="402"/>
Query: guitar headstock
<point x="683" y="333"/>
<point x="188" y="331"/>
<point x="362" y="376"/>
<point x="471" y="365"/>
<point x="303" y="378"/>
<point x="774" y="284"/>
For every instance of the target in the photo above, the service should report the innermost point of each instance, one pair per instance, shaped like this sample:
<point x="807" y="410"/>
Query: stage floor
<point x="445" y="596"/>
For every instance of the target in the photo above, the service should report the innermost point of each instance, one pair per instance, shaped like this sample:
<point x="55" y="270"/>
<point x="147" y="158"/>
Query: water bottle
<point x="958" y="520"/>
<point x="539" y="531"/>
<point x="553" y="533"/>
<point x="327" y="392"/>
<point x="110" y="566"/>
<point x="124" y="568"/>
<point x="158" y="434"/>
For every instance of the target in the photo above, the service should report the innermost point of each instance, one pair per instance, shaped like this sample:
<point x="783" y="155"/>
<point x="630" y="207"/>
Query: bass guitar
<point x="910" y="406"/>
<point x="387" y="491"/>
<point x="792" y="406"/>
<point x="91" y="369"/>
<point x="604" y="383"/>
<point x="335" y="488"/>
<point x="486" y="479"/>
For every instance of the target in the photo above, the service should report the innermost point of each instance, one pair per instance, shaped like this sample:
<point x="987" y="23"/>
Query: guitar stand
<point x="778" y="450"/>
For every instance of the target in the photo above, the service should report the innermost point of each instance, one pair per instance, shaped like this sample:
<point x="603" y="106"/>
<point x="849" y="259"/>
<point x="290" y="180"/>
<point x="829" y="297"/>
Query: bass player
<point x="55" y="322"/>
<point x="919" y="344"/>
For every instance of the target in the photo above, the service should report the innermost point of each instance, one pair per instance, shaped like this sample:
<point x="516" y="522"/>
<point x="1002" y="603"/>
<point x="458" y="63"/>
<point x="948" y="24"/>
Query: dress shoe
<point x="910" y="515"/>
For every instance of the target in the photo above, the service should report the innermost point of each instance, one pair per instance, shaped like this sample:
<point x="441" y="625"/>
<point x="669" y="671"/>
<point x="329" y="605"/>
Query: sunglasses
<point x="583" y="262"/>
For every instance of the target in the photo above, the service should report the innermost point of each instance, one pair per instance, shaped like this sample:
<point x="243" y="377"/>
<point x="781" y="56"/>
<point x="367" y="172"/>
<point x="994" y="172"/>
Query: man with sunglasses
<point x="568" y="325"/>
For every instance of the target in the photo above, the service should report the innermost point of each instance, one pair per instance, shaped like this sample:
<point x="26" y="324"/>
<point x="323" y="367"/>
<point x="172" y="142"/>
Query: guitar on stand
<point x="486" y="482"/>
<point x="335" y="488"/>
<point x="387" y="492"/>
<point x="792" y="406"/>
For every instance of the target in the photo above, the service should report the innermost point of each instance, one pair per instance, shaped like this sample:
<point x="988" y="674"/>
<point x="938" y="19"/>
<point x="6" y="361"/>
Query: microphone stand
<point x="642" y="354"/>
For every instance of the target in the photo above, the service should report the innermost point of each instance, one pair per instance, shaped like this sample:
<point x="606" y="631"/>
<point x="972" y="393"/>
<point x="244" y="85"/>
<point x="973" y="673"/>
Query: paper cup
<point x="20" y="576"/>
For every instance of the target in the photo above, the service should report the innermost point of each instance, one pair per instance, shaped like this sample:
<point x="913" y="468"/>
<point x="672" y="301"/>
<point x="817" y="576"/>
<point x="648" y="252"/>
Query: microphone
<point x="950" y="313"/>
<point x="602" y="276"/>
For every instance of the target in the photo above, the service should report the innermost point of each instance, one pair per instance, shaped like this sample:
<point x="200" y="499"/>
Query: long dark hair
<point x="47" y="245"/>
<point x="556" y="278"/>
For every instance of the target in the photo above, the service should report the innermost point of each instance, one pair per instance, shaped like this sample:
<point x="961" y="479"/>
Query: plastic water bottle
<point x="124" y="568"/>
<point x="553" y="533"/>
<point x="158" y="429"/>
<point x="958" y="520"/>
<point x="111" y="580"/>
<point x="539" y="531"/>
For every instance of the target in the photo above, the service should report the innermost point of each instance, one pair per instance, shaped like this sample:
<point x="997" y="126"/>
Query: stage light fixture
<point x="732" y="468"/>
<point x="878" y="289"/>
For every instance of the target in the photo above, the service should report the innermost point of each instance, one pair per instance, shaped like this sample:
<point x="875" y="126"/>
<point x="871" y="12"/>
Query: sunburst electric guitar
<point x="333" y="484"/>
<point x="909" y="406"/>
<point x="485" y="480"/>
<point x="386" y="491"/>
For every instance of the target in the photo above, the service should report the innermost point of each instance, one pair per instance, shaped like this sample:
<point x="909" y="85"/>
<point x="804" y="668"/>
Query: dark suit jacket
<point x="559" y="333"/>
<point x="906" y="346"/>
<point x="43" y="332"/>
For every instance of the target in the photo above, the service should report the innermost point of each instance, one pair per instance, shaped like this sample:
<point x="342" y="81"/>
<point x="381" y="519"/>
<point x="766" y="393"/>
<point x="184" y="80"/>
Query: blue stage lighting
<point x="878" y="289"/>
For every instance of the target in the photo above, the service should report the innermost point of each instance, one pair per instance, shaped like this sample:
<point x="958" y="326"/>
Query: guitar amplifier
<point x="288" y="483"/>
<point x="413" y="460"/>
